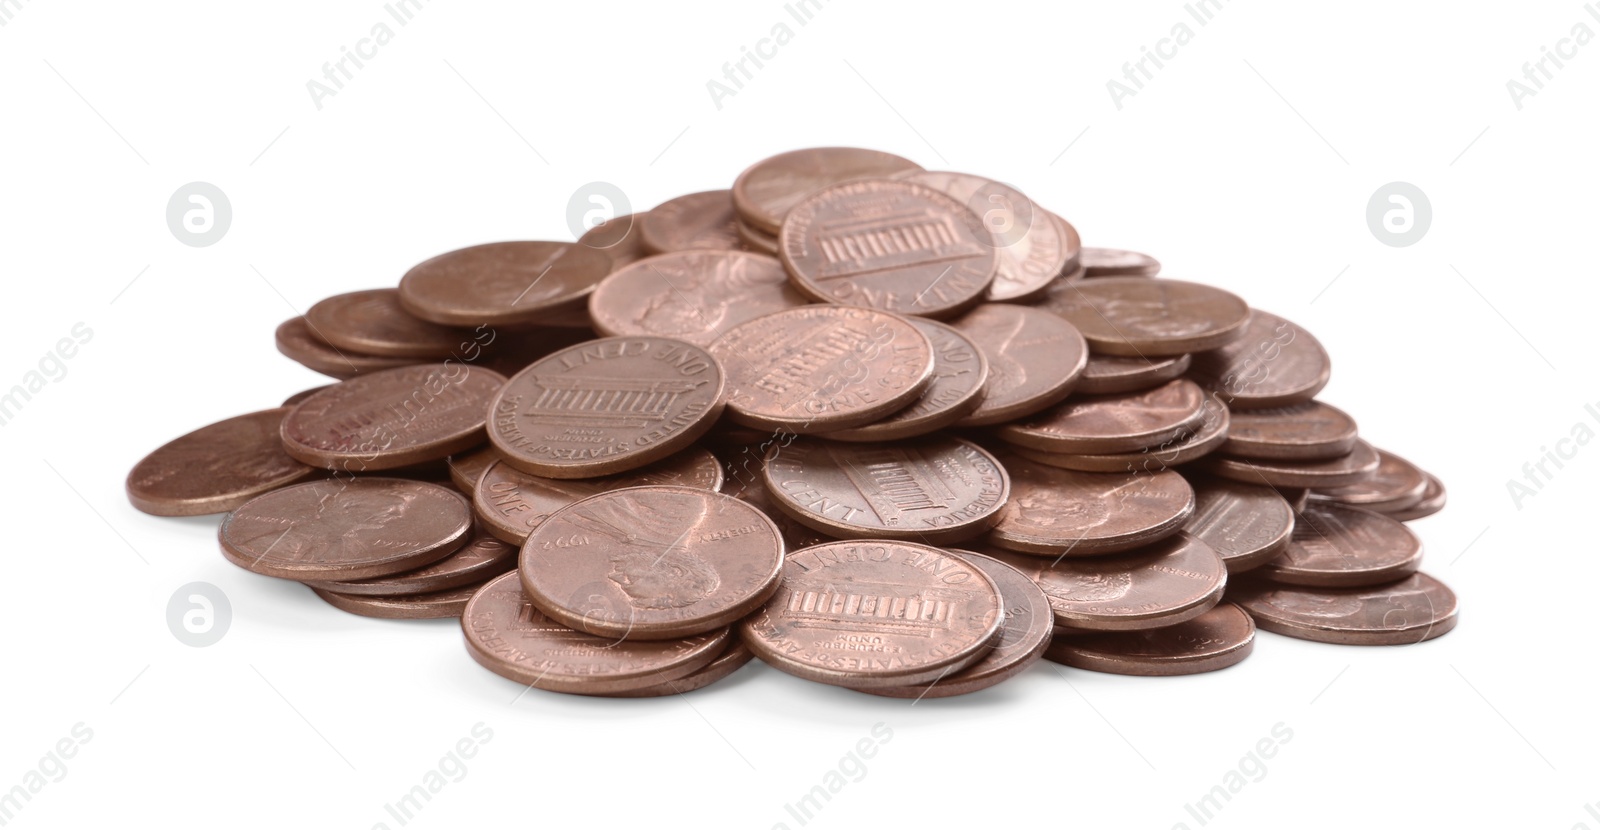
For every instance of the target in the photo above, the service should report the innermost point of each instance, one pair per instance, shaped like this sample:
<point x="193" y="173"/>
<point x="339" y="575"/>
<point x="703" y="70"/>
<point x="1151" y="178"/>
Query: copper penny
<point x="652" y="563"/>
<point x="1035" y="359"/>
<point x="1109" y="374"/>
<point x="757" y="240"/>
<point x="745" y="485"/>
<point x="372" y="322"/>
<point x="870" y="614"/>
<point x="619" y="238"/>
<point x="691" y="295"/>
<point x="960" y="372"/>
<point x="506" y="634"/>
<point x="732" y="659"/>
<point x="434" y="605"/>
<point x="822" y="368"/>
<point x="303" y="394"/>
<point x="1113" y="423"/>
<point x="1152" y="317"/>
<point x="1311" y="431"/>
<point x="1194" y="443"/>
<point x="1335" y="546"/>
<point x="1217" y="639"/>
<point x="1056" y="513"/>
<point x="1396" y="485"/>
<point x="1432" y="502"/>
<point x="606" y="406"/>
<point x="393" y="418"/>
<point x="1165" y="583"/>
<point x="215" y="468"/>
<point x="512" y="503"/>
<point x="889" y="244"/>
<point x="503" y="283"/>
<point x="342" y="530"/>
<point x="693" y="221"/>
<point x="935" y="490"/>
<point x="1114" y="262"/>
<point x="466" y="468"/>
<point x="297" y="342"/>
<point x="1411" y="610"/>
<point x="1353" y="468"/>
<point x="1246" y="524"/>
<point x="479" y="559"/>
<point x="1274" y="363"/>
<point x="766" y="191"/>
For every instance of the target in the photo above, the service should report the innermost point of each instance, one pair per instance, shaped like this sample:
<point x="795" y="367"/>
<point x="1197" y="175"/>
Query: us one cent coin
<point x="694" y="221"/>
<point x="606" y="406"/>
<point x="960" y="372"/>
<point x="393" y="418"/>
<point x="764" y="193"/>
<point x="512" y="503"/>
<point x="1165" y="583"/>
<point x="215" y="468"/>
<point x="372" y="322"/>
<point x="342" y="530"/>
<point x="509" y="636"/>
<point x="1273" y="363"/>
<point x="1194" y="443"/>
<point x="303" y="394"/>
<point x="1361" y="462"/>
<point x="476" y="561"/>
<point x="732" y="659"/>
<point x="297" y="342"/>
<point x="822" y="368"/>
<point x="1055" y="513"/>
<point x="652" y="563"/>
<point x="1246" y="524"/>
<point x="1217" y="639"/>
<point x="1310" y="431"/>
<point x="466" y="468"/>
<point x="1023" y="637"/>
<point x="1410" y="610"/>
<point x="430" y="606"/>
<point x="745" y="485"/>
<point x="1433" y="498"/>
<point x="935" y="490"/>
<point x="1114" y="262"/>
<point x="889" y="244"/>
<point x="1113" y="423"/>
<point x="1396" y="485"/>
<point x="691" y="295"/>
<point x="757" y="240"/>
<point x="1109" y="374"/>
<point x="1334" y="546"/>
<point x="504" y="283"/>
<point x="866" y="614"/>
<point x="1152" y="317"/>
<point x="619" y="238"/>
<point x="1035" y="359"/>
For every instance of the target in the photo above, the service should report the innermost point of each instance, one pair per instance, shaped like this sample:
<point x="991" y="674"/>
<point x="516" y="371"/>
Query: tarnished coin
<point x="1432" y="502"/>
<point x="822" y="368"/>
<point x="1353" y="468"/>
<point x="1411" y="610"/>
<point x="297" y="342"/>
<point x="889" y="244"/>
<point x="342" y="529"/>
<point x="1161" y="584"/>
<point x="504" y="283"/>
<point x="1273" y="363"/>
<point x="215" y="468"/>
<point x="1109" y="374"/>
<point x="695" y="221"/>
<point x="652" y="563"/>
<point x="935" y="490"/>
<point x="691" y="295"/>
<point x="1056" y="513"/>
<point x="766" y="190"/>
<point x="731" y="660"/>
<point x="430" y="606"/>
<point x="512" y="503"/>
<point x="476" y="561"/>
<point x="1113" y="262"/>
<point x="1247" y="525"/>
<point x="606" y="406"/>
<point x="1396" y="485"/>
<point x="1194" y="443"/>
<point x="1113" y="423"/>
<point x="756" y="240"/>
<point x="466" y="468"/>
<point x="1335" y="546"/>
<point x="1310" y="431"/>
<point x="960" y="372"/>
<point x="1217" y="639"/>
<point x="618" y="238"/>
<point x="393" y="418"/>
<point x="507" y="635"/>
<point x="372" y="322"/>
<point x="870" y="614"/>
<point x="1152" y="317"/>
<point x="1035" y="359"/>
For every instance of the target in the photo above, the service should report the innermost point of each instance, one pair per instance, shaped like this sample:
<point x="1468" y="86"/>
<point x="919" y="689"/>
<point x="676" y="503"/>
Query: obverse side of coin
<point x="1411" y="610"/>
<point x="1397" y="485"/>
<point x="1035" y="359"/>
<point x="467" y="468"/>
<point x="1165" y="583"/>
<point x="1273" y="363"/>
<point x="1194" y="443"/>
<point x="503" y="283"/>
<point x="1113" y="423"/>
<point x="960" y="372"/>
<point x="691" y="295"/>
<point x="732" y="659"/>
<point x="1433" y="498"/>
<point x="694" y="221"/>
<point x="764" y="193"/>
<point x="1247" y="525"/>
<point x="1058" y="513"/>
<point x="1109" y="374"/>
<point x="1217" y="639"/>
<point x="870" y="614"/>
<point x="372" y="322"/>
<point x="1310" y="431"/>
<point x="935" y="490"/>
<point x="1114" y="262"/>
<point x="297" y="342"/>
<point x="1353" y="468"/>
<point x="1152" y="317"/>
<point x="1335" y="546"/>
<point x="342" y="530"/>
<point x="430" y="606"/>
<point x="618" y="238"/>
<point x="472" y="563"/>
<point x="215" y="468"/>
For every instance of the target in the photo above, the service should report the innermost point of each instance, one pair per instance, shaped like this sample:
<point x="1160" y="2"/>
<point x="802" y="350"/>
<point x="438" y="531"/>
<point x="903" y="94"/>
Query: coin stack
<point x="884" y="428"/>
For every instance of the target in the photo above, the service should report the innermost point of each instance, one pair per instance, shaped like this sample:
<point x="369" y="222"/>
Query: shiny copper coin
<point x="1353" y="468"/>
<point x="1433" y="498"/>
<point x="430" y="606"/>
<point x="1411" y="610"/>
<point x="303" y="394"/>
<point x="693" y="221"/>
<point x="1110" y="374"/>
<point x="960" y="372"/>
<point x="935" y="490"/>
<point x="891" y="245"/>
<point x="691" y="295"/>
<point x="476" y="561"/>
<point x="1035" y="359"/>
<point x="870" y="614"/>
<point x="822" y="368"/>
<point x="215" y="468"/>
<point x="731" y="660"/>
<point x="503" y="283"/>
<point x="606" y="406"/>
<point x="372" y="322"/>
<point x="297" y="342"/>
<point x="1217" y="639"/>
<point x="1311" y="431"/>
<point x="745" y="484"/>
<point x="1396" y="485"/>
<point x="764" y="193"/>
<point x="342" y="529"/>
<point x="1273" y="363"/>
<point x="506" y="634"/>
<point x="1113" y="423"/>
<point x="1152" y="317"/>
<point x="393" y="418"/>
<point x="756" y="240"/>
<point x="1114" y="262"/>
<point x="652" y="563"/>
<point x="1335" y="546"/>
<point x="1247" y="525"/>
<point x="619" y="238"/>
<point x="1194" y="443"/>
<point x="1161" y="584"/>
<point x="1057" y="513"/>
<point x="512" y="503"/>
<point x="466" y="468"/>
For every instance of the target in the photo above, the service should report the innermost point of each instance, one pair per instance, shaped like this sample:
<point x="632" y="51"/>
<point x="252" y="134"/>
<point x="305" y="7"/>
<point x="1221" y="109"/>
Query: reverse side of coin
<point x="1152" y="317"/>
<point x="766" y="191"/>
<point x="1273" y="363"/>
<point x="1035" y="359"/>
<point x="960" y="373"/>
<point x="1217" y="639"/>
<point x="1109" y="374"/>
<point x="693" y="221"/>
<point x="1162" y="584"/>
<point x="215" y="468"/>
<point x="1055" y="513"/>
<point x="503" y="283"/>
<point x="476" y="561"/>
<point x="1310" y="431"/>
<point x="691" y="295"/>
<point x="1247" y="525"/>
<point x="1335" y="546"/>
<point x="1411" y="610"/>
<point x="1113" y="423"/>
<point x="372" y="322"/>
<point x="297" y="342"/>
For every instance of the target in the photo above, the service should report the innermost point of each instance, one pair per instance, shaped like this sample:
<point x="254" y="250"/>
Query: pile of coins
<point x="884" y="428"/>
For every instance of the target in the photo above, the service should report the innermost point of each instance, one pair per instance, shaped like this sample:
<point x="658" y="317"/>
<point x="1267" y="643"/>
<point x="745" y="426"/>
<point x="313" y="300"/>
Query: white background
<point x="1247" y="162"/>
